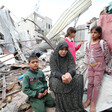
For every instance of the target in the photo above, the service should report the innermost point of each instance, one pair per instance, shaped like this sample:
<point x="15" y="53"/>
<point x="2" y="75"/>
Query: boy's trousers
<point x="39" y="105"/>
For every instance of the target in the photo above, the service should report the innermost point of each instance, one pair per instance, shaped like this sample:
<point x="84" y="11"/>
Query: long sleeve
<point x="72" y="72"/>
<point x="58" y="75"/>
<point x="44" y="82"/>
<point x="77" y="47"/>
<point x="54" y="70"/>
<point x="26" y="89"/>
<point x="86" y="54"/>
<point x="71" y="66"/>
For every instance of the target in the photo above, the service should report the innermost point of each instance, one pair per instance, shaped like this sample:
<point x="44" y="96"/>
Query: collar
<point x="34" y="72"/>
<point x="70" y="39"/>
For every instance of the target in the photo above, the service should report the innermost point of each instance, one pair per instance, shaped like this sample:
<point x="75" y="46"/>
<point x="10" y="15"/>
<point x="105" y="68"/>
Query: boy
<point x="35" y="86"/>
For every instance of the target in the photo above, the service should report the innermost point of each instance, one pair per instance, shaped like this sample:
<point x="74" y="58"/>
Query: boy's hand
<point x="45" y="92"/>
<point x="40" y="95"/>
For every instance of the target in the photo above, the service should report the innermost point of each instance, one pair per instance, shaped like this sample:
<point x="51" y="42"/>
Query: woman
<point x="66" y="85"/>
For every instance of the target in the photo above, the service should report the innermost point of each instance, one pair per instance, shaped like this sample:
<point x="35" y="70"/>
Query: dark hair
<point x="102" y="12"/>
<point x="63" y="46"/>
<point x="70" y="30"/>
<point x="98" y="29"/>
<point x="32" y="56"/>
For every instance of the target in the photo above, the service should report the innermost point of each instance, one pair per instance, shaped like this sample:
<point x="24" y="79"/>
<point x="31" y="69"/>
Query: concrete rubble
<point x="13" y="71"/>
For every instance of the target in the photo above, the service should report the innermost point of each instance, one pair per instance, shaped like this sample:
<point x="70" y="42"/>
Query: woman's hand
<point x="66" y="78"/>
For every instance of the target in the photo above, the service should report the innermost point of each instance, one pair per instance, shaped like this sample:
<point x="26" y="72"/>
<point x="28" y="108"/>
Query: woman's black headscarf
<point x="61" y="64"/>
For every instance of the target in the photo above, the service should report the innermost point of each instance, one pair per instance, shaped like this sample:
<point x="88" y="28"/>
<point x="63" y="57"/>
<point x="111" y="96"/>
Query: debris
<point x="21" y="77"/>
<point x="10" y="33"/>
<point x="9" y="99"/>
<point x="24" y="107"/>
<point x="4" y="89"/>
<point x="0" y="104"/>
<point x="20" y="83"/>
<point x="11" y="93"/>
<point x="23" y="66"/>
<point x="8" y="89"/>
<point x="9" y="59"/>
<point x="3" y="105"/>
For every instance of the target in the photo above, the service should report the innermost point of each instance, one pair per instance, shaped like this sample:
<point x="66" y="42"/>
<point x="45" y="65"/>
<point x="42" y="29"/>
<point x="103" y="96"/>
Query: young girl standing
<point x="97" y="61"/>
<point x="71" y="31"/>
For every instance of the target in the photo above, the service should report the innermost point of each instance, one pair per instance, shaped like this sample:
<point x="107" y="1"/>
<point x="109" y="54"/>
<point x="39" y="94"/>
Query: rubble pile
<point x="9" y="83"/>
<point x="13" y="77"/>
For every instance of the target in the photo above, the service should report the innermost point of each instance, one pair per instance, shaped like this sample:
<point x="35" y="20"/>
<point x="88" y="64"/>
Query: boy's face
<point x="33" y="64"/>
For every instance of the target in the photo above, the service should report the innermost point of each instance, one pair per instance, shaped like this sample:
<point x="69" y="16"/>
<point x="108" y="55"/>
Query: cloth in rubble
<point x="105" y="21"/>
<point x="109" y="8"/>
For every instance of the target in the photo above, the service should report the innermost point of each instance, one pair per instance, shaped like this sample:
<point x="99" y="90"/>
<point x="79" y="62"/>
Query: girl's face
<point x="95" y="35"/>
<point x="72" y="35"/>
<point x="63" y="52"/>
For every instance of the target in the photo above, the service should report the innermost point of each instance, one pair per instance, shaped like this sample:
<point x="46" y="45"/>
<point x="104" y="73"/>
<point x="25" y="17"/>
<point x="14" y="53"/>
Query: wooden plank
<point x="43" y="36"/>
<point x="4" y="89"/>
<point x="11" y="93"/>
<point x="4" y="43"/>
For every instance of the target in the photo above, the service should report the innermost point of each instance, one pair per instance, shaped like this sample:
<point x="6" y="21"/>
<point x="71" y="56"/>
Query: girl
<point x="97" y="61"/>
<point x="70" y="40"/>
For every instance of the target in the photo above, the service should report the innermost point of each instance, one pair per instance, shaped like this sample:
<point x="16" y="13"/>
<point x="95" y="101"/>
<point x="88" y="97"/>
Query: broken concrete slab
<point x="11" y="61"/>
<point x="16" y="66"/>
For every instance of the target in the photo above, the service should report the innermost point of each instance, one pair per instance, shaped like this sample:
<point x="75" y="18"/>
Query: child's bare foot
<point x="86" y="104"/>
<point x="93" y="107"/>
